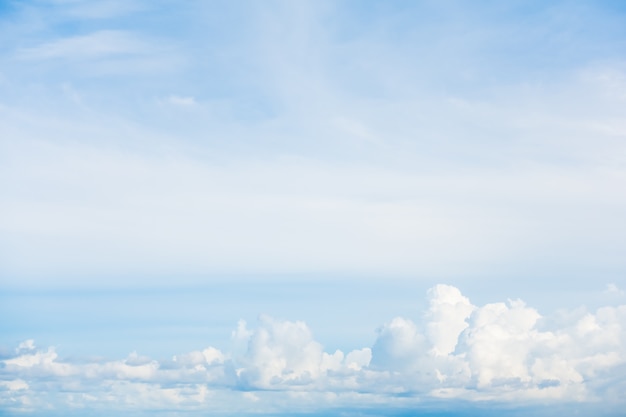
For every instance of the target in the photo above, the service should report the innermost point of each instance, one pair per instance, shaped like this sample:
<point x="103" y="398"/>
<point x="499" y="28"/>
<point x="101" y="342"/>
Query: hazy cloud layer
<point x="314" y="137"/>
<point x="502" y="351"/>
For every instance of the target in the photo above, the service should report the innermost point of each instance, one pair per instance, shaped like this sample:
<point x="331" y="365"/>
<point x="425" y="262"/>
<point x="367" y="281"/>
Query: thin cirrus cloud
<point x="94" y="45"/>
<point x="503" y="351"/>
<point x="101" y="10"/>
<point x="103" y="53"/>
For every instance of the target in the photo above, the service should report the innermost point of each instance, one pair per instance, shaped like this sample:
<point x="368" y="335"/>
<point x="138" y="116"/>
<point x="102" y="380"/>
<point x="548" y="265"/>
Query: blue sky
<point x="312" y="205"/>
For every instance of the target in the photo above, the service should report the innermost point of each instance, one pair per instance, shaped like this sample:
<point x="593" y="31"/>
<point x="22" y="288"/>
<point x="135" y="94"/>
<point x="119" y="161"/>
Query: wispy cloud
<point x="106" y="9"/>
<point x="181" y="101"/>
<point x="93" y="45"/>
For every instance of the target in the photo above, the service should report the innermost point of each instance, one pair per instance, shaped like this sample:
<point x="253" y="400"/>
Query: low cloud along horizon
<point x="456" y="350"/>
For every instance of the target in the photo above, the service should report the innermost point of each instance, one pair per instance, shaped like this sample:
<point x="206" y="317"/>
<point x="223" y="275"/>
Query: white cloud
<point x="398" y="345"/>
<point x="283" y="354"/>
<point x="498" y="351"/>
<point x="41" y="362"/>
<point x="613" y="289"/>
<point x="182" y="101"/>
<point x="446" y="317"/>
<point x="497" y="342"/>
<point x="208" y="356"/>
<point x="14" y="385"/>
<point x="26" y="346"/>
<point x="93" y="45"/>
<point x="521" y="171"/>
<point x="99" y="10"/>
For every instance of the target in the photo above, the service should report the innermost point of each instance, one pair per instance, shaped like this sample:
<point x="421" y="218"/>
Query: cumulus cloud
<point x="283" y="354"/>
<point x="504" y="351"/>
<point x="447" y="317"/>
<point x="26" y="346"/>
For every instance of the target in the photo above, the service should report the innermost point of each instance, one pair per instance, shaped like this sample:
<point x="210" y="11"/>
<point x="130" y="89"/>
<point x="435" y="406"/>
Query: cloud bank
<point x="499" y="352"/>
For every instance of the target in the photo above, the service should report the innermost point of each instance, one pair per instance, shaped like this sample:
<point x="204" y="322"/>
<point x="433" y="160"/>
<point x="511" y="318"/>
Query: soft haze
<point x="313" y="206"/>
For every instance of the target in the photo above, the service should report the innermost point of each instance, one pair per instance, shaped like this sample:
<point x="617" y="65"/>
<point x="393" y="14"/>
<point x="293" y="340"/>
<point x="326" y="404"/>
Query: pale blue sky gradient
<point x="409" y="140"/>
<point x="167" y="169"/>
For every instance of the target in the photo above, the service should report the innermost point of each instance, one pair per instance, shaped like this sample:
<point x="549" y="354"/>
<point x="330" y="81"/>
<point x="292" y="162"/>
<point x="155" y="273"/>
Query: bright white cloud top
<point x="168" y="169"/>
<point x="503" y="351"/>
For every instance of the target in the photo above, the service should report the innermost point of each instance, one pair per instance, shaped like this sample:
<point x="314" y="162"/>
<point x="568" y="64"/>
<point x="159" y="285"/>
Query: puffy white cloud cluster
<point x="284" y="355"/>
<point x="499" y="351"/>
